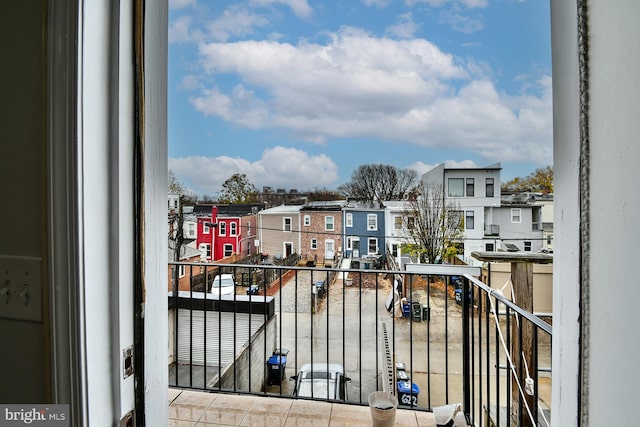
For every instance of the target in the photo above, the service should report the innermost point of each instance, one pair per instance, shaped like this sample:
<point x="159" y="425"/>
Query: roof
<point x="282" y="209"/>
<point x="187" y="252"/>
<point x="228" y="209"/>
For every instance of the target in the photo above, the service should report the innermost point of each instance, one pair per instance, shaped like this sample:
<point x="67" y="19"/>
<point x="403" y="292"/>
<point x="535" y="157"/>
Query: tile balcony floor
<point x="194" y="408"/>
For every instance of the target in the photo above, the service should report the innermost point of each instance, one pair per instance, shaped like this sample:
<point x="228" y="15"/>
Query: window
<point x="516" y="215"/>
<point x="456" y="219"/>
<point x="397" y="223"/>
<point x="307" y="220"/>
<point x="489" y="247"/>
<point x="248" y="228"/>
<point x="233" y="229"/>
<point x="205" y="228"/>
<point x="394" y="249"/>
<point x="286" y="224"/>
<point x="222" y="229"/>
<point x="314" y="243"/>
<point x="527" y="246"/>
<point x="181" y="270"/>
<point x="455" y="187"/>
<point x="373" y="245"/>
<point x="228" y="250"/>
<point x="372" y="222"/>
<point x="470" y="187"/>
<point x="348" y="219"/>
<point x="468" y="220"/>
<point x="191" y="229"/>
<point x="488" y="187"/>
<point x="411" y="223"/>
<point x="328" y="223"/>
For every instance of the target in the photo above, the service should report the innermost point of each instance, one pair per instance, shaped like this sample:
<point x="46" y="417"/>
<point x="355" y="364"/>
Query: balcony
<point x="491" y="230"/>
<point x="433" y="348"/>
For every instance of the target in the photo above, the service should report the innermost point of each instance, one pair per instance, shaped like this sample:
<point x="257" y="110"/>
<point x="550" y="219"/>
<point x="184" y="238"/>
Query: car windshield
<point x="223" y="282"/>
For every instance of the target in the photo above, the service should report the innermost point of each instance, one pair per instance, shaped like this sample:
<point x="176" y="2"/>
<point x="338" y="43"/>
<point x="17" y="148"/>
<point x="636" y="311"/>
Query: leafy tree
<point x="539" y="180"/>
<point x="433" y="228"/>
<point x="380" y="182"/>
<point x="175" y="186"/>
<point x="237" y="190"/>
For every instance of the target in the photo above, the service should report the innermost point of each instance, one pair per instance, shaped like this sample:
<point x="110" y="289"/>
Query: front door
<point x="329" y="249"/>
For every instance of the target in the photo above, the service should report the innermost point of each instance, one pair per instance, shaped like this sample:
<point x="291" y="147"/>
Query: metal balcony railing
<point x="491" y="229"/>
<point x="417" y="336"/>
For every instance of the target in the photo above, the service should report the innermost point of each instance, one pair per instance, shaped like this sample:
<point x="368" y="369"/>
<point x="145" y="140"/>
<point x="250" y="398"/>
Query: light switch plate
<point x="21" y="288"/>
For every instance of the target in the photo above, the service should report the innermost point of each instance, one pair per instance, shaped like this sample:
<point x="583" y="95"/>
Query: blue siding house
<point x="364" y="232"/>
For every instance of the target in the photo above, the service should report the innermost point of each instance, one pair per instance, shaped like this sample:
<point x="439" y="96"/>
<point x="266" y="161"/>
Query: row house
<point x="321" y="231"/>
<point x="364" y="231"/>
<point x="226" y="230"/>
<point x="279" y="231"/>
<point x="490" y="222"/>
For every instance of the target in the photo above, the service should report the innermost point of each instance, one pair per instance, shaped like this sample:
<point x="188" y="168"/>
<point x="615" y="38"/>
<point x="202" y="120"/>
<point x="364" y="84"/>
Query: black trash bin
<point x="276" y="366"/>
<point x="416" y="311"/>
<point x="426" y="313"/>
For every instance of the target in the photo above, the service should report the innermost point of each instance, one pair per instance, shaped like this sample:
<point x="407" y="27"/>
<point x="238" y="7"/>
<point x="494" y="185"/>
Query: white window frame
<point x="205" y="228"/>
<point x="369" y="241"/>
<point x="222" y="229"/>
<point x="307" y="220"/>
<point x="329" y="220"/>
<point x="227" y="249"/>
<point x="191" y="229"/>
<point x="287" y="224"/>
<point x="469" y="215"/>
<point x="489" y="184"/>
<point x="372" y="225"/>
<point x="469" y="184"/>
<point x="314" y="244"/>
<point x="181" y="271"/>
<point x="516" y="215"/>
<point x="449" y="187"/>
<point x="348" y="219"/>
<point x="233" y="229"/>
<point x="397" y="222"/>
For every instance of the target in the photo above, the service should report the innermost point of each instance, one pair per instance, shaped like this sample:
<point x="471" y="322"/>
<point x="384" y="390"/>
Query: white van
<point x="223" y="284"/>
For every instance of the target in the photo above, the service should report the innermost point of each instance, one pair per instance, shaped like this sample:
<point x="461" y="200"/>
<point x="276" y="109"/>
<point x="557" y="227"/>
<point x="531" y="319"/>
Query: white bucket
<point x="383" y="407"/>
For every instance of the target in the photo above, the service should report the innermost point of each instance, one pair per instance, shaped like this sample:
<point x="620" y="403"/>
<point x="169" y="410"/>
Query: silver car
<point x="321" y="381"/>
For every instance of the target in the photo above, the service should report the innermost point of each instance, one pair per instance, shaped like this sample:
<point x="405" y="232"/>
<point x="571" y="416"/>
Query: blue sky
<point x="299" y="93"/>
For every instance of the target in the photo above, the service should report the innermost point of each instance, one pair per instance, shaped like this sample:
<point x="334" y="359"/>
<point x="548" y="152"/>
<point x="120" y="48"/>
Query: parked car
<point x="321" y="381"/>
<point x="223" y="284"/>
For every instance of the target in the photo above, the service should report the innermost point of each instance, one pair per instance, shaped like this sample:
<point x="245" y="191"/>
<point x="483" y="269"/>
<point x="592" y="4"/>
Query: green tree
<point x="539" y="180"/>
<point x="237" y="189"/>
<point x="433" y="227"/>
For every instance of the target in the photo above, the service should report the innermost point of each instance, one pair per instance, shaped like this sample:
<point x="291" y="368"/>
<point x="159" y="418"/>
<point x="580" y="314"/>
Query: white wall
<point x="613" y="291"/>
<point x="591" y="271"/>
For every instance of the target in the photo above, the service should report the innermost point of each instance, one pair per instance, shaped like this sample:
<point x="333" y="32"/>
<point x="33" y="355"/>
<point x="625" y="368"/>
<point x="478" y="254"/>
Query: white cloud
<point x="299" y="7"/>
<point x="236" y="21"/>
<point x="378" y="3"/>
<point x="356" y="85"/>
<point x="278" y="167"/>
<point x="461" y="22"/>
<point x="181" y="4"/>
<point x="405" y="27"/>
<point x="180" y="30"/>
<point x="471" y="4"/>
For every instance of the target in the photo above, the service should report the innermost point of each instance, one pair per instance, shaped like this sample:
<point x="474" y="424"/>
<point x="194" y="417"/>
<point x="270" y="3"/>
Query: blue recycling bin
<point x="408" y="392"/>
<point x="276" y="366"/>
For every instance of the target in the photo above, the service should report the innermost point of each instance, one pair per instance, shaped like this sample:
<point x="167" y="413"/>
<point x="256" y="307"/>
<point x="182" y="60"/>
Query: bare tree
<point x="432" y="226"/>
<point x="174" y="186"/>
<point x="380" y="182"/>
